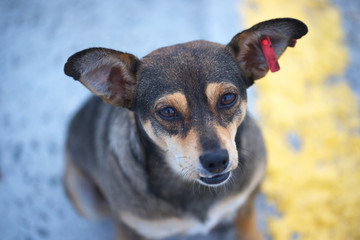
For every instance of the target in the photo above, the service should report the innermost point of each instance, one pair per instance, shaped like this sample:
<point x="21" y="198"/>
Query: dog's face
<point x="190" y="98"/>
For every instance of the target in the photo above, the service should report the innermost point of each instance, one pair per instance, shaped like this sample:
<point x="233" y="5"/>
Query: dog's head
<point x="190" y="98"/>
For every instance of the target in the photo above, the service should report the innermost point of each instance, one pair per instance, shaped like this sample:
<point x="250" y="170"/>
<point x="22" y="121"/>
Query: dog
<point x="166" y="146"/>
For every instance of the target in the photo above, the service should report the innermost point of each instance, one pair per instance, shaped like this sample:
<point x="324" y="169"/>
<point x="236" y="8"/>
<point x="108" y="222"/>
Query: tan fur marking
<point x="157" y="140"/>
<point x="186" y="152"/>
<point x="227" y="140"/>
<point x="215" y="90"/>
<point x="246" y="226"/>
<point x="246" y="219"/>
<point x="182" y="154"/>
<point x="176" y="100"/>
<point x="227" y="136"/>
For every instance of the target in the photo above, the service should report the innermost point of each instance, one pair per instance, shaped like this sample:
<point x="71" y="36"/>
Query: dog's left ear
<point x="247" y="50"/>
<point x="107" y="73"/>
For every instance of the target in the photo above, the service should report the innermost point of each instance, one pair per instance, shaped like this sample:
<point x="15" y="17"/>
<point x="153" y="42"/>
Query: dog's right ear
<point x="246" y="49"/>
<point x="107" y="73"/>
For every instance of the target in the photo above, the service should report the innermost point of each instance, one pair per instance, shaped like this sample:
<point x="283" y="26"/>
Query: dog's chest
<point x="167" y="227"/>
<point x="224" y="211"/>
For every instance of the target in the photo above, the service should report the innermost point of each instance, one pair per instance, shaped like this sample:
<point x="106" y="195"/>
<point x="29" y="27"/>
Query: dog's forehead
<point x="187" y="67"/>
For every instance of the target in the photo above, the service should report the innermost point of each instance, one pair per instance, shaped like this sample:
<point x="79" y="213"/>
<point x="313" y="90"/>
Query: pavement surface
<point x="37" y="100"/>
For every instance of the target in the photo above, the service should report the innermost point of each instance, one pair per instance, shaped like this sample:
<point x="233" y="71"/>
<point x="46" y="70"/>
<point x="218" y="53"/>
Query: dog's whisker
<point x="179" y="159"/>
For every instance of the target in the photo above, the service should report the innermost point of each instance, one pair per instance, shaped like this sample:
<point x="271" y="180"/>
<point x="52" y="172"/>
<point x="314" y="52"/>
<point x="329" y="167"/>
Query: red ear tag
<point x="269" y="54"/>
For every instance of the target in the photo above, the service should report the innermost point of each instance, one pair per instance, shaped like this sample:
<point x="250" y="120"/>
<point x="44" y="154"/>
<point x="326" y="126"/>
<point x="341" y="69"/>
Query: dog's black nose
<point x="216" y="161"/>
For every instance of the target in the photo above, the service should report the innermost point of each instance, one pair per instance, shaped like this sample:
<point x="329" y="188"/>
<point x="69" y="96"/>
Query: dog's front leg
<point x="246" y="221"/>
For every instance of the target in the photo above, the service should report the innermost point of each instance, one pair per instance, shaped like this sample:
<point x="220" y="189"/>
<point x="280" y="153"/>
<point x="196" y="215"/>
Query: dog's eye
<point x="227" y="100"/>
<point x="168" y="113"/>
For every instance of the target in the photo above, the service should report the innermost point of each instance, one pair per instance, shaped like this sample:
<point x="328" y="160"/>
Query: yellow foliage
<point x="315" y="187"/>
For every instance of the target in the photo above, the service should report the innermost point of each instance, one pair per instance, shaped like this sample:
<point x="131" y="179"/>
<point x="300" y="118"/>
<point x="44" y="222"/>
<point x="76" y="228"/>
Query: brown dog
<point x="173" y="153"/>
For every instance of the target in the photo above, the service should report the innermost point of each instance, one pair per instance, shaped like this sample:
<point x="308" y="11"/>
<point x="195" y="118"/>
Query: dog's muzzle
<point x="215" y="165"/>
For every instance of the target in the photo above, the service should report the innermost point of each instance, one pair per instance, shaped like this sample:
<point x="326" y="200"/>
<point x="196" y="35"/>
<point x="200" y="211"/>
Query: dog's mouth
<point x="215" y="180"/>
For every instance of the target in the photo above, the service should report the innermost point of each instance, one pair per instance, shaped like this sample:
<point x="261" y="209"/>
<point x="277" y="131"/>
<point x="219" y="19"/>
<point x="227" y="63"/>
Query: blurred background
<point x="309" y="111"/>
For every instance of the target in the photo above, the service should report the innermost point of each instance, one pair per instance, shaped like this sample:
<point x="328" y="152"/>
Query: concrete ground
<point x="37" y="100"/>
